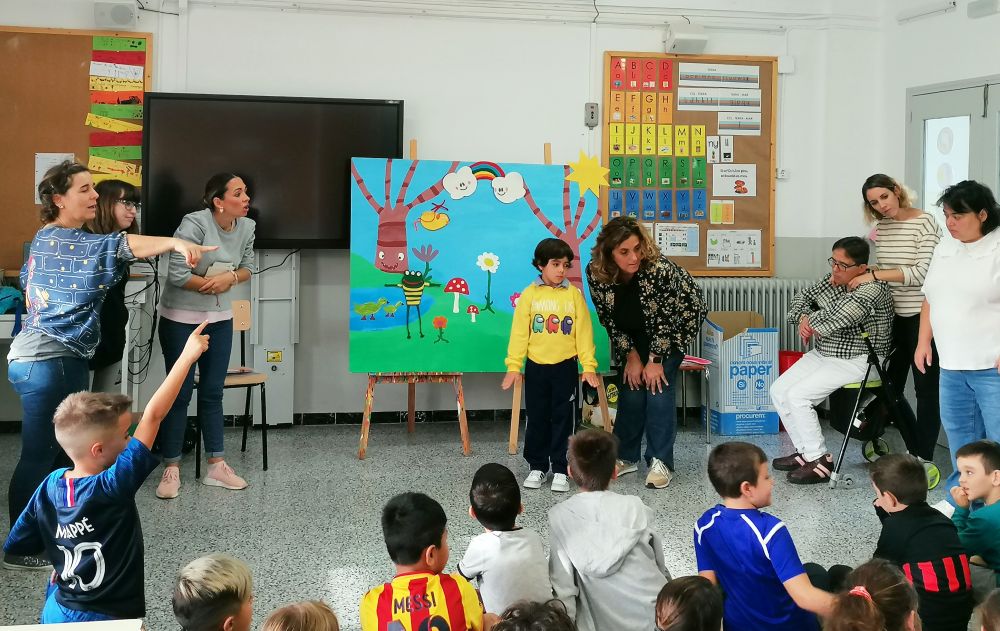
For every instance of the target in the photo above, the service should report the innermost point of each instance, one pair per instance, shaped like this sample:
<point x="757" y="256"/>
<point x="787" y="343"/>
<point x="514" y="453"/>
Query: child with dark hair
<point x="989" y="612"/>
<point x="879" y="598"/>
<point x="690" y="603"/>
<point x="979" y="530"/>
<point x="507" y="560"/>
<point x="416" y="537"/>
<point x="922" y="542"/>
<point x="605" y="561"/>
<point x="535" y="616"/>
<point x="552" y="328"/>
<point x="750" y="554"/>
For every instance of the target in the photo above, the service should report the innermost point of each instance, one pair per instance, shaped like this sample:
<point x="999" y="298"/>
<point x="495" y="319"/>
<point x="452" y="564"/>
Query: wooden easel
<point x="515" y="408"/>
<point x="412" y="379"/>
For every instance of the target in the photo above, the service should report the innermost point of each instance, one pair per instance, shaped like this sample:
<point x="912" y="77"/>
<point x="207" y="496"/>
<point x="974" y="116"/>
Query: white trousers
<point x="805" y="384"/>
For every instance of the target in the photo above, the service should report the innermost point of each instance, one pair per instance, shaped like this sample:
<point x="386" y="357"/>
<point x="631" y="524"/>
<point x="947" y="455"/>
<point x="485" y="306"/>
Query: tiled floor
<point x="309" y="527"/>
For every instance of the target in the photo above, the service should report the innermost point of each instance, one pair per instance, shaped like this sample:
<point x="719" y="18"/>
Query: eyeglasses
<point x="130" y="205"/>
<point x="841" y="266"/>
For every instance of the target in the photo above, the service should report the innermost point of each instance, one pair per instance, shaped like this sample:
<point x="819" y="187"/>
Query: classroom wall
<point x="494" y="89"/>
<point x="931" y="50"/>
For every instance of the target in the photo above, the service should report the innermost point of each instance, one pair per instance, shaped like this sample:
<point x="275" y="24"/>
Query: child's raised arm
<point x="163" y="398"/>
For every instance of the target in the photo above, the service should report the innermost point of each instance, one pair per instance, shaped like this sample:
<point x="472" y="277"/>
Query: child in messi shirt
<point x="84" y="519"/>
<point x="421" y="596"/>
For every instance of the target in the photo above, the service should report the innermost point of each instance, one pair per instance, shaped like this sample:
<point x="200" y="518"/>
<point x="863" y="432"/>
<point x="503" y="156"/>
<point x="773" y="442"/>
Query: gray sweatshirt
<point x="235" y="248"/>
<point x="605" y="561"/>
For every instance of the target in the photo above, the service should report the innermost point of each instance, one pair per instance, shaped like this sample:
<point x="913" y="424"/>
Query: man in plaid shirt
<point x="834" y="316"/>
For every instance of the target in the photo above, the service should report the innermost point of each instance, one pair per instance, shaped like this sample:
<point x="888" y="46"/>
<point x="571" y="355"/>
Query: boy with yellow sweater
<point x="552" y="328"/>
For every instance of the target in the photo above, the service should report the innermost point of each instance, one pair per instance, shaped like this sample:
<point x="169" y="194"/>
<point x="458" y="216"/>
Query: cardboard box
<point x="744" y="358"/>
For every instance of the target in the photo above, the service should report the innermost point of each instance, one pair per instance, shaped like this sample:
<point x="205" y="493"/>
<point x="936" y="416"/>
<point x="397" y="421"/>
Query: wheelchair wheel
<point x="933" y="475"/>
<point x="872" y="450"/>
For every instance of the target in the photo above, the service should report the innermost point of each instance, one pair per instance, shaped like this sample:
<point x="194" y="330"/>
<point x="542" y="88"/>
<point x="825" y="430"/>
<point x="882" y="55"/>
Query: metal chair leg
<point x="246" y="419"/>
<point x="263" y="422"/>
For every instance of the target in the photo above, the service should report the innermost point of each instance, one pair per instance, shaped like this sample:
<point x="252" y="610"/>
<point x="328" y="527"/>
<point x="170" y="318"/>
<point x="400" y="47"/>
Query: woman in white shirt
<point x="961" y="313"/>
<point x="906" y="240"/>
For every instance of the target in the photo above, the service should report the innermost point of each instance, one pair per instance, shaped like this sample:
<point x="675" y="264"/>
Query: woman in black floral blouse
<point x="652" y="310"/>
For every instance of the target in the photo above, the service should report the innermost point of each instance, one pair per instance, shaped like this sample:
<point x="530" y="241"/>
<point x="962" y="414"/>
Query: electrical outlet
<point x="781" y="173"/>
<point x="590" y="117"/>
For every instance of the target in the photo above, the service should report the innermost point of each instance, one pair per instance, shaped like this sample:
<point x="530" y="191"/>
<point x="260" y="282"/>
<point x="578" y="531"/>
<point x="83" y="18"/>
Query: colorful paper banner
<point x="117" y="111"/>
<point x="119" y="43"/>
<point x="112" y="139"/>
<point x="110" y="124"/>
<point x="117" y="153"/>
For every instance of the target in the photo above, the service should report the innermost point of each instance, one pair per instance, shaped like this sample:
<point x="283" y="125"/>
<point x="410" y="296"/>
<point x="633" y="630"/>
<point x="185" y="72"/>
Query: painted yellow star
<point x="588" y="173"/>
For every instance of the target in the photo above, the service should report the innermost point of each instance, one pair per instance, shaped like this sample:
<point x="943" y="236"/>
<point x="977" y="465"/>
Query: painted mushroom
<point x="473" y="311"/>
<point x="459" y="287"/>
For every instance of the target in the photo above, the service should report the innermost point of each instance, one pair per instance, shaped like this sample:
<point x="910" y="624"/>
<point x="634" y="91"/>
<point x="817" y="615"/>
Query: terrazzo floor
<point x="309" y="527"/>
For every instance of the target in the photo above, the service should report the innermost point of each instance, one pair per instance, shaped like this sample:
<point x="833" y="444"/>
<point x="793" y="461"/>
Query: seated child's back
<point x="748" y="553"/>
<point x="922" y="542"/>
<point x="509" y="562"/>
<point x="606" y="562"/>
<point x="420" y="596"/>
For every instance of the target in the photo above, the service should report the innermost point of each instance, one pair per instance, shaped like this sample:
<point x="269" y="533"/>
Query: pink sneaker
<point x="221" y="474"/>
<point x="170" y="483"/>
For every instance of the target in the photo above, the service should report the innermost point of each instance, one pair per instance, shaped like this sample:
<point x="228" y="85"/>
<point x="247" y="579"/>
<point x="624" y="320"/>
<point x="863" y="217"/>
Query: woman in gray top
<point x="192" y="296"/>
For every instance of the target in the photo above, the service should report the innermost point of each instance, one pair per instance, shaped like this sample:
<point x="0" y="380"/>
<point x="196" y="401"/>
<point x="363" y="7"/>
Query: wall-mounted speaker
<point x="123" y="14"/>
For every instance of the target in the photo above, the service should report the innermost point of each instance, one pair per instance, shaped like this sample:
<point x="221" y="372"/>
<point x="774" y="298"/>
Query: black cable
<point x="598" y="12"/>
<point x="143" y="8"/>
<point x="283" y="261"/>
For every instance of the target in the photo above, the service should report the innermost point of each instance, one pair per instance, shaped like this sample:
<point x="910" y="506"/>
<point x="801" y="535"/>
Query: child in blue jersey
<point x="750" y="554"/>
<point x="84" y="519"/>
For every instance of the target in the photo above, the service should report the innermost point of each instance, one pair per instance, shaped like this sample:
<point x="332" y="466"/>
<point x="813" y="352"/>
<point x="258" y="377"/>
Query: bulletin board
<point x="66" y="92"/>
<point x="689" y="142"/>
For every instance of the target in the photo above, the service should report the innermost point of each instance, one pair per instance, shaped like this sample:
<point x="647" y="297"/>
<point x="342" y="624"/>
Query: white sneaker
<point x="170" y="483"/>
<point x="534" y="479"/>
<point x="221" y="474"/>
<point x="659" y="475"/>
<point x="622" y="467"/>
<point x="560" y="483"/>
<point x="945" y="507"/>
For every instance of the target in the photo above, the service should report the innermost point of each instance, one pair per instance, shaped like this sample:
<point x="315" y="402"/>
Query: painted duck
<point x="366" y="309"/>
<point x="390" y="310"/>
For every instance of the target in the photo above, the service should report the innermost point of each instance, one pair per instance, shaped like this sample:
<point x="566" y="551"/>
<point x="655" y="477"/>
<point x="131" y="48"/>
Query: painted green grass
<point x="465" y="347"/>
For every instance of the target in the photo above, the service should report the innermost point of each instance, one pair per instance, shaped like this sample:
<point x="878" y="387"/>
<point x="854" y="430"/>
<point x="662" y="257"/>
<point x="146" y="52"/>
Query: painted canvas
<point x="441" y="251"/>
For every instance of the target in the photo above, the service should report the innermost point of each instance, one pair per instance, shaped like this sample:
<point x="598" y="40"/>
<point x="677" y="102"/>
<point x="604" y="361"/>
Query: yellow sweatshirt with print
<point x="551" y="324"/>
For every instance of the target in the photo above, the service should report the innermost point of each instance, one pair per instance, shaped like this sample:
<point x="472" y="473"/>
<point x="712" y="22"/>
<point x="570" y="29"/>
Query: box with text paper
<point x="744" y="358"/>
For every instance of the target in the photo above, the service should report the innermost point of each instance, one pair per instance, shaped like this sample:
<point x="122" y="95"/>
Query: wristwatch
<point x="656" y="359"/>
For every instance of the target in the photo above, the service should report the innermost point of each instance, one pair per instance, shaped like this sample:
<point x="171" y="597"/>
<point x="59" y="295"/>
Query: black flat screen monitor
<point x="293" y="153"/>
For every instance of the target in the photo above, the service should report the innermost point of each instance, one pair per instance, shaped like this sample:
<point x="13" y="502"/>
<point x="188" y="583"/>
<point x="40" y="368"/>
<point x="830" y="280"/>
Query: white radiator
<point x="769" y="297"/>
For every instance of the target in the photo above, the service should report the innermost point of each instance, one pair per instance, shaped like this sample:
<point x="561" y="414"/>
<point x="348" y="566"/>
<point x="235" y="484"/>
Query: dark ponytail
<point x="216" y="187"/>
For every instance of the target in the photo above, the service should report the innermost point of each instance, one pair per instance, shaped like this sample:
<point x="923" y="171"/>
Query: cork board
<point x="689" y="141"/>
<point x="46" y="99"/>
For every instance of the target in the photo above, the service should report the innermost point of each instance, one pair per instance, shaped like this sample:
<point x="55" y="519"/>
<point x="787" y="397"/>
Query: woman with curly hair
<point x="652" y="310"/>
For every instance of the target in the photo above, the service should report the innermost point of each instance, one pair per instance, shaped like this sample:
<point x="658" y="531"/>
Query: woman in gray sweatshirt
<point x="192" y="296"/>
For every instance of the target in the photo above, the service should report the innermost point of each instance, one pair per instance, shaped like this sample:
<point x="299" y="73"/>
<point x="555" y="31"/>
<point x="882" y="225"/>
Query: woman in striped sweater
<point x="906" y="240"/>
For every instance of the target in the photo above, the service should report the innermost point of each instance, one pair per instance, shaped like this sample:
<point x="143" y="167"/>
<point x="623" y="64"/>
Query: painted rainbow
<point x="486" y="170"/>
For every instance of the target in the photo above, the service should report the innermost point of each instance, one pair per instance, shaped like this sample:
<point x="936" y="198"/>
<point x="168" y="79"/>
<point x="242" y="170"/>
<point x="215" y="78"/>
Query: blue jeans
<point x="54" y="613"/>
<point x="212" y="367"/>
<point x="42" y="385"/>
<point x="970" y="411"/>
<point x="640" y="410"/>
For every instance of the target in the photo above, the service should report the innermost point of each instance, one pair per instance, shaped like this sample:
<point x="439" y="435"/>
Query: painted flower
<point x="439" y="322"/>
<point x="488" y="262"/>
<point x="514" y="298"/>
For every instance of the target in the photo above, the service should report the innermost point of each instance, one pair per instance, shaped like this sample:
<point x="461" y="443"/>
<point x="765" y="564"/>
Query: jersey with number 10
<point x="89" y="528"/>
<point x="422" y="601"/>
